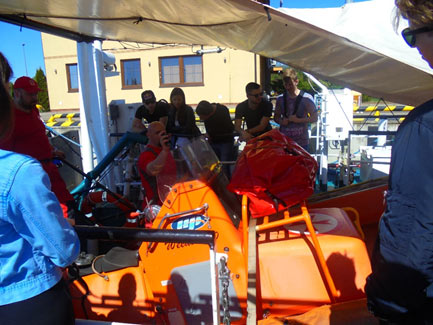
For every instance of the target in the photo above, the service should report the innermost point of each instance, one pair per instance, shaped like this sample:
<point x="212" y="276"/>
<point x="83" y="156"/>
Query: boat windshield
<point x="193" y="161"/>
<point x="196" y="160"/>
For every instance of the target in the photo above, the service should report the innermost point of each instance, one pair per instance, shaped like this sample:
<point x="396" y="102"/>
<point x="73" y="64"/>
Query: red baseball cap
<point x="28" y="84"/>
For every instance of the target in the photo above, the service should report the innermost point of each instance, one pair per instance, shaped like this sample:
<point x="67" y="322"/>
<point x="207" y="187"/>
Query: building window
<point x="131" y="74"/>
<point x="181" y="71"/>
<point x="72" y="76"/>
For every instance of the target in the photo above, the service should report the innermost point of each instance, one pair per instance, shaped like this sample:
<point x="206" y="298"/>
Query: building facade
<point x="217" y="75"/>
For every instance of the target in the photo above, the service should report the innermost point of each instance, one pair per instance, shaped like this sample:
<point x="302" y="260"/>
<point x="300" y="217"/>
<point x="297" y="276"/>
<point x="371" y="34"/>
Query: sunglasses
<point x="409" y="34"/>
<point x="150" y="101"/>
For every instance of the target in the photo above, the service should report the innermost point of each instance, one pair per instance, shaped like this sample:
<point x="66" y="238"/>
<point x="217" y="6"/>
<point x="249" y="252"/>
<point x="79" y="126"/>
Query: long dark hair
<point x="6" y="116"/>
<point x="5" y="69"/>
<point x="181" y="111"/>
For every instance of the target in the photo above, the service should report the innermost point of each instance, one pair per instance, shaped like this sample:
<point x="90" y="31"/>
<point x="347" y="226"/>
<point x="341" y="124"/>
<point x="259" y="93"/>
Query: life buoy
<point x="94" y="198"/>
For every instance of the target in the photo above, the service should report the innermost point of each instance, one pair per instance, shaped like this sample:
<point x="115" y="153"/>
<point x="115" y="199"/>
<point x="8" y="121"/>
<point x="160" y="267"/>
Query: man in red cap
<point x="28" y="137"/>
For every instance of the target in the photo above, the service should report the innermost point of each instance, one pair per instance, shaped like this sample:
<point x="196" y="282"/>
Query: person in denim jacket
<point x="36" y="242"/>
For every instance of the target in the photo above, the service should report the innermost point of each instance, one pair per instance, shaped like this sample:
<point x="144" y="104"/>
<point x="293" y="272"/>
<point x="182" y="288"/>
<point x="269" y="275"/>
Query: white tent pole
<point x="93" y="103"/>
<point x="101" y="112"/>
<point x="83" y="72"/>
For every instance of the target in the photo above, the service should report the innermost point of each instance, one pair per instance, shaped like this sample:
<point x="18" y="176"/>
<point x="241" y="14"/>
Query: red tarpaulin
<point x="271" y="170"/>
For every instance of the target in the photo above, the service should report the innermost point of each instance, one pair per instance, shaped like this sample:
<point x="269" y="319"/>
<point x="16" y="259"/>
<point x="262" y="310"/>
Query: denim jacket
<point x="35" y="239"/>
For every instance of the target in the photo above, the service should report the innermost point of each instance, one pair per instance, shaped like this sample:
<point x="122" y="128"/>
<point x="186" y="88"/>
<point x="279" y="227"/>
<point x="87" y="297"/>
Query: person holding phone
<point x="152" y="161"/>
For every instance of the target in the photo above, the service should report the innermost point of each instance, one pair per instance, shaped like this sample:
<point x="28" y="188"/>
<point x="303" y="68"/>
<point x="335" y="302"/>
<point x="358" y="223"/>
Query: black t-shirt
<point x="161" y="110"/>
<point x="253" y="117"/>
<point x="219" y="126"/>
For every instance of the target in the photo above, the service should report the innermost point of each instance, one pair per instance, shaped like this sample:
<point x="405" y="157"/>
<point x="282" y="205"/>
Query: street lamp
<point x="25" y="61"/>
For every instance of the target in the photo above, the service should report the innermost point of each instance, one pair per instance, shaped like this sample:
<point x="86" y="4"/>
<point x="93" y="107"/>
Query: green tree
<point x="304" y="84"/>
<point x="43" y="98"/>
<point x="277" y="84"/>
<point x="11" y="89"/>
<point x="369" y="99"/>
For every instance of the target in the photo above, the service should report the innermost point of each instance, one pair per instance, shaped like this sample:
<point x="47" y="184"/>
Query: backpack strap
<point x="285" y="104"/>
<point x="297" y="102"/>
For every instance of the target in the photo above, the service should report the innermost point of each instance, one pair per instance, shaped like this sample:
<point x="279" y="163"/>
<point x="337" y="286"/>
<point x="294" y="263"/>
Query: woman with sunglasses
<point x="400" y="289"/>
<point x="35" y="240"/>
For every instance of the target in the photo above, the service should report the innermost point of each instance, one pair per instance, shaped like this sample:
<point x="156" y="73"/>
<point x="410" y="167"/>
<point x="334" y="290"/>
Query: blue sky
<point x="23" y="47"/>
<point x="310" y="3"/>
<point x="12" y="38"/>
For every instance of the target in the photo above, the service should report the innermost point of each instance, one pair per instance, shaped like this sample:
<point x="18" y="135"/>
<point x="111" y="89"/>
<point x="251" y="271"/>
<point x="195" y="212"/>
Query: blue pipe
<point x="127" y="139"/>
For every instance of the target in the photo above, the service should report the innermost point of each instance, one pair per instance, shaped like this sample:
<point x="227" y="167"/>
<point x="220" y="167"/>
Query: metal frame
<point x="305" y="217"/>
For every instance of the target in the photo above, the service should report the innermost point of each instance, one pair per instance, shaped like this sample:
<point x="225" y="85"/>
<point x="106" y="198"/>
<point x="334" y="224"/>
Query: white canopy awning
<point x="354" y="46"/>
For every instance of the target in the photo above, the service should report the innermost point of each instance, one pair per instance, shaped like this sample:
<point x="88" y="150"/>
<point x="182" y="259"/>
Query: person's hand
<point x="245" y="136"/>
<point x="284" y="121"/>
<point x="71" y="221"/>
<point x="58" y="154"/>
<point x="294" y="119"/>
<point x="165" y="141"/>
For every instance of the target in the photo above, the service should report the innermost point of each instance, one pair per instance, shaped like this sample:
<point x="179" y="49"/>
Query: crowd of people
<point x="400" y="288"/>
<point x="294" y="110"/>
<point x="37" y="240"/>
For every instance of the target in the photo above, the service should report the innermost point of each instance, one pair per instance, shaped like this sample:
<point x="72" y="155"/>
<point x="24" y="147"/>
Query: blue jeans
<point x="225" y="152"/>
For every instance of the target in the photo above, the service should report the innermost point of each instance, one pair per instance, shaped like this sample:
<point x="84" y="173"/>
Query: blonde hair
<point x="419" y="12"/>
<point x="290" y="73"/>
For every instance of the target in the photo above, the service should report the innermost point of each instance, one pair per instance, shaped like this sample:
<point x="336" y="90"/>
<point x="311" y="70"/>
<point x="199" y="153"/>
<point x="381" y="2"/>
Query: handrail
<point x="148" y="235"/>
<point x="205" y="206"/>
